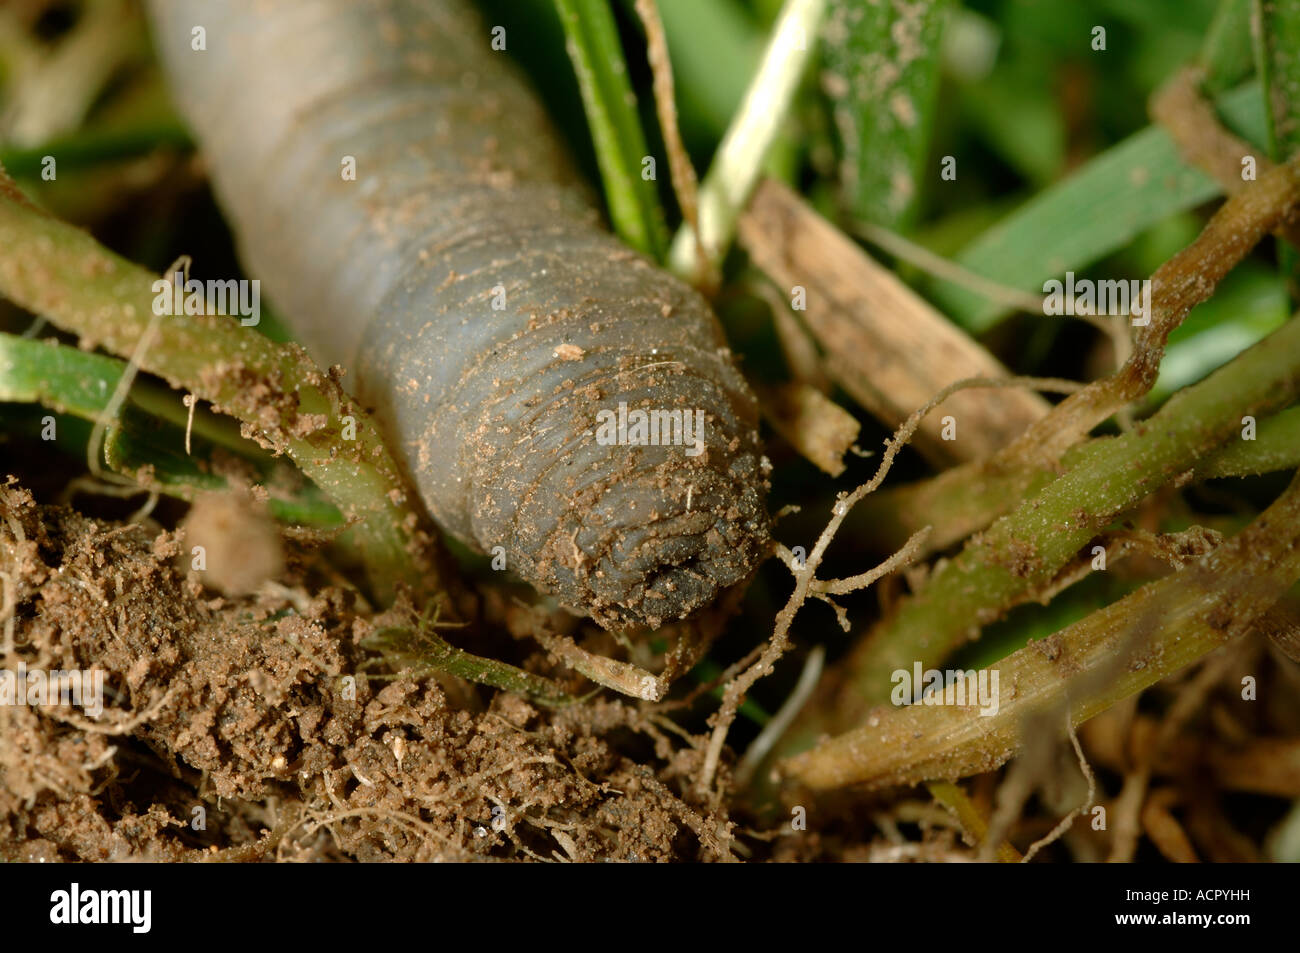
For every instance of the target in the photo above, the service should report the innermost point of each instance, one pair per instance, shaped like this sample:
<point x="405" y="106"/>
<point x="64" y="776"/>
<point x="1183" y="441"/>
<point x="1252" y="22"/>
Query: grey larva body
<point x="464" y="199"/>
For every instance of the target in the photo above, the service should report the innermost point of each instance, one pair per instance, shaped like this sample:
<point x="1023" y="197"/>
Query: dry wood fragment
<point x="884" y="344"/>
<point x="820" y="429"/>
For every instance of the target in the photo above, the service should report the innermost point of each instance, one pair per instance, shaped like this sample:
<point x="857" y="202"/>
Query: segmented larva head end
<point x="660" y="539"/>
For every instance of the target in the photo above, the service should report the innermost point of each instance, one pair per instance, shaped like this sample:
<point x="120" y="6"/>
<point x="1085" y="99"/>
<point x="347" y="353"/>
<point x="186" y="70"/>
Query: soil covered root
<point x="241" y="729"/>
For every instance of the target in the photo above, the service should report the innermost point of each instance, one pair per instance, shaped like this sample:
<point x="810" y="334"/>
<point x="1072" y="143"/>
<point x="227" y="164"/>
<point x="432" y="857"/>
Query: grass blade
<point x="740" y="157"/>
<point x="882" y="77"/>
<point x="1111" y="655"/>
<point x="62" y="378"/>
<point x="58" y="271"/>
<point x="148" y="445"/>
<point x="597" y="55"/>
<point x="88" y="148"/>
<point x="1276" y="34"/>
<point x="1098" y="210"/>
<point x="715" y="48"/>
<point x="422" y="650"/>
<point x="1050" y="528"/>
<point x="1277" y="57"/>
<point x="1226" y="55"/>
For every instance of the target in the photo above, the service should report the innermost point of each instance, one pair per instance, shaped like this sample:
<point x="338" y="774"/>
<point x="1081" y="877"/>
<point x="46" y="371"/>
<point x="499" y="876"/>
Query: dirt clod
<point x="259" y="727"/>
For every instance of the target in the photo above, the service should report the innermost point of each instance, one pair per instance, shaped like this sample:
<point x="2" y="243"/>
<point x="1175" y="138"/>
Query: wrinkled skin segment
<point x="464" y="199"/>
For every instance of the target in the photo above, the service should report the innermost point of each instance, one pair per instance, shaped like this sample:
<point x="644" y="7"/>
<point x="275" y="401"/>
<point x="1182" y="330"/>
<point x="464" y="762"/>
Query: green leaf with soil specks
<point x="882" y="77"/>
<point x="424" y="651"/>
<point x="152" y="452"/>
<point x="146" y="439"/>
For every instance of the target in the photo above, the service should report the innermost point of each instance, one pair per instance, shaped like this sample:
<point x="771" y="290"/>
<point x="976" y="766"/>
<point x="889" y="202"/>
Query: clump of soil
<point x="258" y="727"/>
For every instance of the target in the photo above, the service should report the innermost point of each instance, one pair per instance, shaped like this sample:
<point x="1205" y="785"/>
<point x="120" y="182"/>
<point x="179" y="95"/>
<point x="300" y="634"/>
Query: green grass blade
<point x="742" y="154"/>
<point x="1277" y="58"/>
<point x="882" y="77"/>
<point x="715" y="48"/>
<point x="56" y="270"/>
<point x="89" y="148"/>
<point x="597" y="55"/>
<point x="423" y="650"/>
<point x="146" y="441"/>
<point x="1098" y="210"/>
<point x="62" y="378"/>
<point x="1227" y="56"/>
<point x="152" y="452"/>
